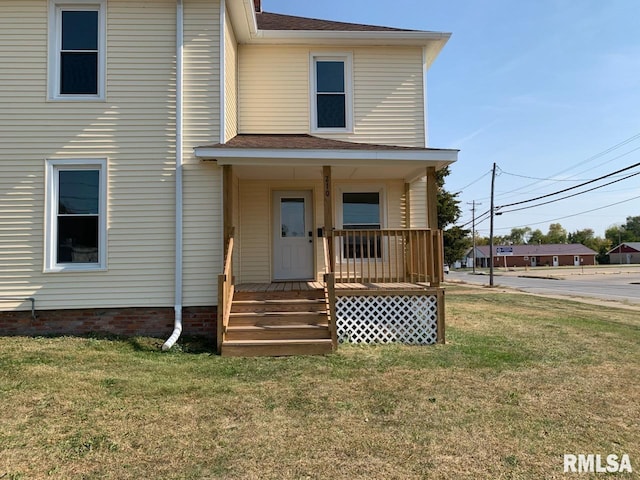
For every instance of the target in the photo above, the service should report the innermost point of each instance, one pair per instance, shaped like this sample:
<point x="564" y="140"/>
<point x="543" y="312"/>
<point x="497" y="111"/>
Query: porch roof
<point x="310" y="152"/>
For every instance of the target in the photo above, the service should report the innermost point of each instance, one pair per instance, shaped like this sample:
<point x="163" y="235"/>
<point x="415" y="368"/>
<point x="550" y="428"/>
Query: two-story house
<point x="206" y="168"/>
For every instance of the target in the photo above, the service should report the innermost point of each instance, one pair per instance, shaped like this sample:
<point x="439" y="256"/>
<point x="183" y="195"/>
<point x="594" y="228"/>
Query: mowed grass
<point x="521" y="381"/>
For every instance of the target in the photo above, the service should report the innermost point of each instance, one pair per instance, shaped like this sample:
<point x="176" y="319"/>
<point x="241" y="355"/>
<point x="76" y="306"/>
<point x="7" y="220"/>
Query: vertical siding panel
<point x="202" y="181"/>
<point x="231" y="81"/>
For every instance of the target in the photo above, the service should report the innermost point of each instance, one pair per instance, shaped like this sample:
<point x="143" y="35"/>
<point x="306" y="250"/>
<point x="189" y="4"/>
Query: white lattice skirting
<point x="408" y="319"/>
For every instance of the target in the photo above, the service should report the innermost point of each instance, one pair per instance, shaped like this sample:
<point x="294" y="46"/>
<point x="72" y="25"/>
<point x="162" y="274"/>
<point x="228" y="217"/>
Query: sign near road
<point x="504" y="251"/>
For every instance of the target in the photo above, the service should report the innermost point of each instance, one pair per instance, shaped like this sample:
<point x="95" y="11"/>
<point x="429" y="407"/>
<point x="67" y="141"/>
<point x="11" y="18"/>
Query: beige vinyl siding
<point x="202" y="193"/>
<point x="130" y="129"/>
<point x="273" y="89"/>
<point x="418" y="199"/>
<point x="135" y="130"/>
<point x="387" y="92"/>
<point x="231" y="80"/>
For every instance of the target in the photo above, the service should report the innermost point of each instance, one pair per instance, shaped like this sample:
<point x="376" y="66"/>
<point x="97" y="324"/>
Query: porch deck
<point x="307" y="286"/>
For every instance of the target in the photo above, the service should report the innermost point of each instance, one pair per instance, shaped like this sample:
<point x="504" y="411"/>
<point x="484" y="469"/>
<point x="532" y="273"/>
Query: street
<point x="620" y="285"/>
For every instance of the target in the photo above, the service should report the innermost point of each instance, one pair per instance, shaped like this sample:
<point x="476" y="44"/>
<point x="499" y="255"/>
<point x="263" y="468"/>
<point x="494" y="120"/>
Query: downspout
<point x="177" y="329"/>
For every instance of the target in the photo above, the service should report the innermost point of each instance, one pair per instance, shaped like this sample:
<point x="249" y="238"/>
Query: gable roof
<point x="542" y="250"/>
<point x="276" y="21"/>
<point x="632" y="245"/>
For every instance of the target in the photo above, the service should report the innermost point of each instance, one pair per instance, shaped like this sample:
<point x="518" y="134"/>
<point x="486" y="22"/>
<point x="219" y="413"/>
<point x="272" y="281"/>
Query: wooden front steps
<point x="277" y="323"/>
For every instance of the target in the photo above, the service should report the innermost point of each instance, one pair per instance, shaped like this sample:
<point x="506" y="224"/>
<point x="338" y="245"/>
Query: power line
<point x="588" y="160"/>
<point x="573" y="195"/>
<point x="570" y="188"/>
<point x="472" y="183"/>
<point x="573" y="215"/>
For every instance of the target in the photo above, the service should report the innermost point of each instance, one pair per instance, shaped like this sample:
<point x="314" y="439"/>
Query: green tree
<point x="519" y="236"/>
<point x="456" y="239"/>
<point x="585" y="236"/>
<point x="536" y="237"/>
<point x="456" y="242"/>
<point x="556" y="234"/>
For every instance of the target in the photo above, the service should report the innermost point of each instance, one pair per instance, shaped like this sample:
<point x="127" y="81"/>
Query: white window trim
<point x="51" y="224"/>
<point x="347" y="58"/>
<point x="55" y="44"/>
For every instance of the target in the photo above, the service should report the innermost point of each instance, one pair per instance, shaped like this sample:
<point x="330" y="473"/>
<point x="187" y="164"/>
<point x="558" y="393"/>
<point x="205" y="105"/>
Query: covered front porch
<point x="351" y="220"/>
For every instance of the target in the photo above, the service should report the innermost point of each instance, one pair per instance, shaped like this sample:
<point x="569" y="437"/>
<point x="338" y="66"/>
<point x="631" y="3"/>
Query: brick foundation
<point x="128" y="322"/>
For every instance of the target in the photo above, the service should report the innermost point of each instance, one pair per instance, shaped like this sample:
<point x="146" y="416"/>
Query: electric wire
<point x="572" y="195"/>
<point x="569" y="188"/>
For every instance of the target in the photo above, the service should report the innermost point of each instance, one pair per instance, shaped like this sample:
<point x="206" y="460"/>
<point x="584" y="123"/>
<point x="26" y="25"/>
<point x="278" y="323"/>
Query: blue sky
<point x="539" y="87"/>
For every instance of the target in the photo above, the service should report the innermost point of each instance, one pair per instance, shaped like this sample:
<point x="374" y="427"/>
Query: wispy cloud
<point x="467" y="138"/>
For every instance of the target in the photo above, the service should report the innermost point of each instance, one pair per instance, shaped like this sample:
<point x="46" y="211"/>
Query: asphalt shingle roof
<point x="276" y="21"/>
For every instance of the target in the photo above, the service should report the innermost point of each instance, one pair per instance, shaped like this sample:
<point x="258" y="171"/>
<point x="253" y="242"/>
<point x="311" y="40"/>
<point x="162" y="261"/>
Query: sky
<point x="549" y="90"/>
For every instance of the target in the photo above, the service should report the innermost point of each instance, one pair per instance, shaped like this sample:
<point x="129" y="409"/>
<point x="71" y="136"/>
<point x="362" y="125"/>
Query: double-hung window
<point x="77" y="50"/>
<point x="361" y="211"/>
<point x="76" y="215"/>
<point x="331" y="103"/>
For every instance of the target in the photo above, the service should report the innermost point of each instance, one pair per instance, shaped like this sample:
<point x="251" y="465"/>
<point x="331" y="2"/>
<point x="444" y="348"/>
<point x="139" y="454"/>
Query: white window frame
<point x="363" y="188"/>
<point x="347" y="58"/>
<point x="56" y="7"/>
<point x="53" y="166"/>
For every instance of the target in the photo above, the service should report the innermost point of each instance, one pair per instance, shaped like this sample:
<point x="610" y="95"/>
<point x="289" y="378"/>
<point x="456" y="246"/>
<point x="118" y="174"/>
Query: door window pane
<point x="292" y="217"/>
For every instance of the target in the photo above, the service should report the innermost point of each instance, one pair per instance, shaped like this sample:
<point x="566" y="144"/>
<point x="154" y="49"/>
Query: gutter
<point x="177" y="329"/>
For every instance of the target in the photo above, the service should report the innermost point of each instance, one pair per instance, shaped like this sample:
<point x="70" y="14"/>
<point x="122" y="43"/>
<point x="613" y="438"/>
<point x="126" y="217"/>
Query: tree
<point x="536" y="237"/>
<point x="633" y="226"/>
<point x="585" y="236"/>
<point x="519" y="236"/>
<point x="556" y="234"/>
<point x="448" y="204"/>
<point x="456" y="243"/>
<point x="456" y="239"/>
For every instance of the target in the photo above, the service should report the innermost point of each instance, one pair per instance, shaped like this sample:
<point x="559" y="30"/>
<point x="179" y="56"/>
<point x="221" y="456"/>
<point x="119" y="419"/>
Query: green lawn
<point x="521" y="381"/>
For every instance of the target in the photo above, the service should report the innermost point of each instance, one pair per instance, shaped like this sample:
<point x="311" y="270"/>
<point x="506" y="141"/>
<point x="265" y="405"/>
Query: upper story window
<point x="331" y="105"/>
<point x="76" y="215"/>
<point x="77" y="50"/>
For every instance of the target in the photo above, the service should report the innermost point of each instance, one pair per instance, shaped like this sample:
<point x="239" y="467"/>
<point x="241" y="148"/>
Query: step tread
<point x="277" y="314"/>
<point x="315" y="341"/>
<point x="294" y="326"/>
<point x="281" y="301"/>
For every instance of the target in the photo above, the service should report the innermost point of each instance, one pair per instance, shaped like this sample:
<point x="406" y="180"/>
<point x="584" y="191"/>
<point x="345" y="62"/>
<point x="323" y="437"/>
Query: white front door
<point x="556" y="263"/>
<point x="576" y="261"/>
<point x="292" y="235"/>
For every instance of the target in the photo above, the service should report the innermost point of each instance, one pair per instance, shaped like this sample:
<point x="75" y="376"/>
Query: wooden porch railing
<point x="388" y="255"/>
<point x="330" y="293"/>
<point x="225" y="293"/>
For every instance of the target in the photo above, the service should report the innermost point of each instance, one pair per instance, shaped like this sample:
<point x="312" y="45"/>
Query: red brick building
<point x="554" y="255"/>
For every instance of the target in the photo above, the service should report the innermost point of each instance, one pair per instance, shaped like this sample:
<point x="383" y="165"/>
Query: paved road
<point x="615" y="287"/>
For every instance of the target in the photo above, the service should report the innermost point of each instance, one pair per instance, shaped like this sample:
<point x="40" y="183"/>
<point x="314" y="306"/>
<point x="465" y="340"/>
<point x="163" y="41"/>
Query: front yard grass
<point x="521" y="381"/>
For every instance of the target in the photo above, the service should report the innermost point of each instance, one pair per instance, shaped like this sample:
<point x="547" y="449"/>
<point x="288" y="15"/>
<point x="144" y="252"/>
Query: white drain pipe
<point x="177" y="329"/>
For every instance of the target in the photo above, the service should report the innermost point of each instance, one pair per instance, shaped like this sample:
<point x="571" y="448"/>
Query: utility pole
<point x="493" y="184"/>
<point x="473" y="232"/>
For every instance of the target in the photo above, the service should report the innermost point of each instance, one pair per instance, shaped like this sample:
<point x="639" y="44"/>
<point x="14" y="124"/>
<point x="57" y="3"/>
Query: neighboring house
<point x="625" y="253"/>
<point x="141" y="141"/>
<point x="554" y="255"/>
